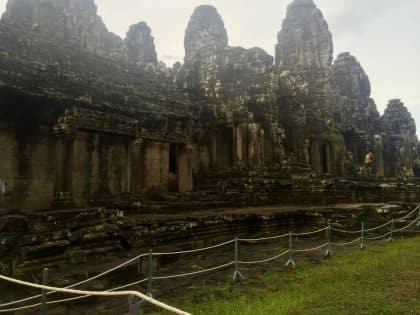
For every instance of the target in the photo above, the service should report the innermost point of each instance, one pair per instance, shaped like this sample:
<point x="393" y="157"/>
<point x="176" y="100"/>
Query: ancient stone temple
<point x="88" y="118"/>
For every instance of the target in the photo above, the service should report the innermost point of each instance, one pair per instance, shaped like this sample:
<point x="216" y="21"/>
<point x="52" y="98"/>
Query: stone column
<point x="64" y="160"/>
<point x="235" y="157"/>
<point x="240" y="145"/>
<point x="136" y="160"/>
<point x="315" y="153"/>
<point x="185" y="178"/>
<point x="379" y="156"/>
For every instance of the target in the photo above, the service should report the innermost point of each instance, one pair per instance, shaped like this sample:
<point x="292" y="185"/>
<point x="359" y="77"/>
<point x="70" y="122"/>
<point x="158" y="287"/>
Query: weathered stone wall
<point x="27" y="163"/>
<point x="156" y="169"/>
<point x="88" y="116"/>
<point x="101" y="166"/>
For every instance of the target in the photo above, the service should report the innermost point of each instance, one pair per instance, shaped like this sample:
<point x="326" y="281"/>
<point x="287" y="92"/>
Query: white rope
<point x="378" y="237"/>
<point x="380" y="226"/>
<point x="280" y="236"/>
<point x="116" y="268"/>
<point x="310" y="233"/>
<point x="345" y="244"/>
<point x="310" y="249"/>
<point x="262" y="261"/>
<point x="360" y="231"/>
<point x="78" y="283"/>
<point x="195" y="272"/>
<point x="394" y="231"/>
<point x="346" y="232"/>
<point x="70" y="299"/>
<point x="250" y="240"/>
<point x="98" y="293"/>
<point x="409" y="215"/>
<point x="194" y="250"/>
<point x="407" y="226"/>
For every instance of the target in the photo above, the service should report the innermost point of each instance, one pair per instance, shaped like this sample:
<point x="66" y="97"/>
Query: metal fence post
<point x="133" y="305"/>
<point x="362" y="244"/>
<point x="150" y="275"/>
<point x="130" y="304"/>
<point x="44" y="292"/>
<point x="290" y="261"/>
<point x="328" y="252"/>
<point x="136" y="307"/>
<point x="237" y="274"/>
<point x="390" y="238"/>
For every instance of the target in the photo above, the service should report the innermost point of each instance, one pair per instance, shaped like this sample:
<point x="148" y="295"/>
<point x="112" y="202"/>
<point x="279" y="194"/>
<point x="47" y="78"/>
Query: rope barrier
<point x="409" y="214"/>
<point x="194" y="250"/>
<point x="250" y="240"/>
<point x="98" y="293"/>
<point x="378" y="237"/>
<point x="214" y="268"/>
<point x="22" y="308"/>
<point x="345" y="231"/>
<point x="195" y="272"/>
<point x="310" y="233"/>
<point x="264" y="260"/>
<point x="345" y="244"/>
<point x="310" y="249"/>
<point x="78" y="283"/>
<point x="407" y="226"/>
<point x="378" y="227"/>
<point x="116" y="268"/>
<point x="393" y="231"/>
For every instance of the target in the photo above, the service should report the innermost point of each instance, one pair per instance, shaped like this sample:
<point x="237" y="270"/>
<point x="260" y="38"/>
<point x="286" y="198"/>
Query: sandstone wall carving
<point x="86" y="115"/>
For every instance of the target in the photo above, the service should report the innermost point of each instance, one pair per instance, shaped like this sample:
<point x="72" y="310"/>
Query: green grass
<point x="384" y="279"/>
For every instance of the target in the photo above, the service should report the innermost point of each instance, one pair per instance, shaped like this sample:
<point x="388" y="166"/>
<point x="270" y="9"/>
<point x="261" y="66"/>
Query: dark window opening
<point x="173" y="165"/>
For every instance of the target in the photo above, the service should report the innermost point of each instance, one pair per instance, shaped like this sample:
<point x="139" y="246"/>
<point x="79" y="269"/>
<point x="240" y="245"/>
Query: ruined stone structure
<point x="87" y="117"/>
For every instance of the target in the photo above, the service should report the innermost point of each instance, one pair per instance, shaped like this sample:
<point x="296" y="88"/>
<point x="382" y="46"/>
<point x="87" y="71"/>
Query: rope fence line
<point x="347" y="243"/>
<point x="262" y="261"/>
<point x="310" y="233"/>
<point x="311" y="249"/>
<point x="77" y="298"/>
<point x="135" y="259"/>
<point x="78" y="283"/>
<point x="98" y="293"/>
<point x="235" y="263"/>
<point x="253" y="240"/>
<point x="194" y="250"/>
<point x="195" y="272"/>
<point x="380" y="226"/>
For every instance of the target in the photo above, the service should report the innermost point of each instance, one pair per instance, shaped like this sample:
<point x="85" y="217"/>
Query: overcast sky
<point x="383" y="34"/>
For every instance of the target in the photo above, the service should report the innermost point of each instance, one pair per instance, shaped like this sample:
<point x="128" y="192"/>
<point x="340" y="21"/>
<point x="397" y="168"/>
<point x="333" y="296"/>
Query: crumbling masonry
<point x="86" y="117"/>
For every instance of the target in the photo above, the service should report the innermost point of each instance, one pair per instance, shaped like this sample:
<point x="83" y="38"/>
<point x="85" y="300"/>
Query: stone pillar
<point x="315" y="154"/>
<point x="185" y="178"/>
<point x="136" y="179"/>
<point x="64" y="160"/>
<point x="238" y="144"/>
<point x="379" y="156"/>
<point x="329" y="159"/>
<point x="156" y="167"/>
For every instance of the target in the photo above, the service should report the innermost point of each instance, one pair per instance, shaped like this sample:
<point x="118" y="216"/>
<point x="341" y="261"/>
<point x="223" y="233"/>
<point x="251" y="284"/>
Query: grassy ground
<point x="384" y="279"/>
